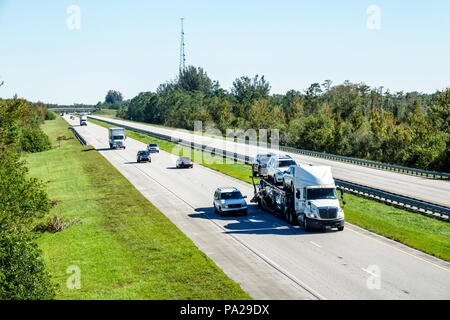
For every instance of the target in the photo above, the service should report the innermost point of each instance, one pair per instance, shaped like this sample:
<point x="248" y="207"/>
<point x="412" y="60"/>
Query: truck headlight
<point x="341" y="213"/>
<point x="312" y="214"/>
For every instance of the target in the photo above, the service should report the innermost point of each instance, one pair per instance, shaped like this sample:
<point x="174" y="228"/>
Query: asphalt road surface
<point x="267" y="257"/>
<point x="435" y="191"/>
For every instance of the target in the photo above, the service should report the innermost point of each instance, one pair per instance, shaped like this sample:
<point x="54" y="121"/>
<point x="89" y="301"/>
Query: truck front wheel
<point x="340" y="228"/>
<point x="305" y="224"/>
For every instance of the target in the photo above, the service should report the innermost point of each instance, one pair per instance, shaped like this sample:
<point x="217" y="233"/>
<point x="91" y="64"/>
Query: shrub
<point x="49" y="115"/>
<point x="33" y="139"/>
<point x="22" y="272"/>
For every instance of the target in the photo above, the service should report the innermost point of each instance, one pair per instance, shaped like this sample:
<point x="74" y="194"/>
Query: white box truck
<point x="312" y="202"/>
<point x="83" y="121"/>
<point x="117" y="138"/>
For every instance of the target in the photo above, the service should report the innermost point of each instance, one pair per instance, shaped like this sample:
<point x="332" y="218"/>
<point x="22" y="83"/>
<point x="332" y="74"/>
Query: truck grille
<point x="328" y="213"/>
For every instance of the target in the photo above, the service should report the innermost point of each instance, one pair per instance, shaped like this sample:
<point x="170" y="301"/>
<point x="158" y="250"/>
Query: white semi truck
<point x="117" y="138"/>
<point x="83" y="120"/>
<point x="312" y="202"/>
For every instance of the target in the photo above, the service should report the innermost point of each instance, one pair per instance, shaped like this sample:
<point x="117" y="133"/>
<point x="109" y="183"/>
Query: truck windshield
<point x="117" y="137"/>
<point x="321" y="193"/>
<point x="231" y="195"/>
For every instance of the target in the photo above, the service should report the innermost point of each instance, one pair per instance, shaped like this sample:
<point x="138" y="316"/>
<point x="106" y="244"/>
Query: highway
<point x="266" y="256"/>
<point x="435" y="191"/>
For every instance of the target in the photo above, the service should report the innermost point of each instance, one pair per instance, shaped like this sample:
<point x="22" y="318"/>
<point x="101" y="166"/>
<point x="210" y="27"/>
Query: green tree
<point x="196" y="79"/>
<point x="23" y="199"/>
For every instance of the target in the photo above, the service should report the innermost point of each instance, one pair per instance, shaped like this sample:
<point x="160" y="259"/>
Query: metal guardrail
<point x="373" y="164"/>
<point x="416" y="205"/>
<point x="79" y="137"/>
<point x="405" y="202"/>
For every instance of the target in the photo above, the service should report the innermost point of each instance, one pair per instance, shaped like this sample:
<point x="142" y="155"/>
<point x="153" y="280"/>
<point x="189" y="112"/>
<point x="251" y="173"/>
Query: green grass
<point x="124" y="246"/>
<point x="415" y="230"/>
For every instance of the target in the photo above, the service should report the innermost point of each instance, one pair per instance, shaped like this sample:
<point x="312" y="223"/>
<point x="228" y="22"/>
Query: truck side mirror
<point x="297" y="194"/>
<point x="309" y="203"/>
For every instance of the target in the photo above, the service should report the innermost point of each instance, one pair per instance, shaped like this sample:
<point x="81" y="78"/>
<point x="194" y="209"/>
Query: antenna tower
<point x="182" y="55"/>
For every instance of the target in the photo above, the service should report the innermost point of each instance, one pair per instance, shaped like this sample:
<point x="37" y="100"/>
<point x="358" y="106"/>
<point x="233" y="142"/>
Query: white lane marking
<point x="316" y="244"/>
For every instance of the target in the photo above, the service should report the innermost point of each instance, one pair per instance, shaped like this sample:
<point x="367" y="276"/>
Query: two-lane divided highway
<point x="266" y="256"/>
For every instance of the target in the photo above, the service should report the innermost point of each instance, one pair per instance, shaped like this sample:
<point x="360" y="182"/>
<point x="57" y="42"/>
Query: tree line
<point x="348" y="119"/>
<point x="23" y="200"/>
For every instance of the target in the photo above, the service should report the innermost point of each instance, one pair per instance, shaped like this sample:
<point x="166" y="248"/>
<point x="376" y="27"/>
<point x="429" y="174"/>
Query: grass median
<point x="424" y="233"/>
<point x="124" y="247"/>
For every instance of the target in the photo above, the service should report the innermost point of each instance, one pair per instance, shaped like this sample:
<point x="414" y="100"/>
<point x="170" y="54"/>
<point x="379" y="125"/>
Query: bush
<point x="49" y="115"/>
<point x="33" y="139"/>
<point x="22" y="272"/>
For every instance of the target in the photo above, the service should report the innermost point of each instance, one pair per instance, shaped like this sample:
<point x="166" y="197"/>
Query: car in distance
<point x="277" y="165"/>
<point x="143" y="156"/>
<point x="228" y="201"/>
<point x="153" y="148"/>
<point x="184" y="162"/>
<point x="259" y="164"/>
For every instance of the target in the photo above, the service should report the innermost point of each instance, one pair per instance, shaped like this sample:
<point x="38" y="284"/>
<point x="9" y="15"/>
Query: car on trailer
<point x="277" y="165"/>
<point x="259" y="164"/>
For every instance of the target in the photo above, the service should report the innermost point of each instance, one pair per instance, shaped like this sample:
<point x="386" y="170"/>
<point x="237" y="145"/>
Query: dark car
<point x="184" y="162"/>
<point x="143" y="156"/>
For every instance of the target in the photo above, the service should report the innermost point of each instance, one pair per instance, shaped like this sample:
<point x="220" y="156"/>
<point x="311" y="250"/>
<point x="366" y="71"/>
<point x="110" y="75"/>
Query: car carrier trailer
<point x="312" y="202"/>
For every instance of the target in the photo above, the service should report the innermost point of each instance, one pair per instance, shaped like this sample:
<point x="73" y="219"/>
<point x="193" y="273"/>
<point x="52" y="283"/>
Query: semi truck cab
<point x="83" y="121"/>
<point x="316" y="201"/>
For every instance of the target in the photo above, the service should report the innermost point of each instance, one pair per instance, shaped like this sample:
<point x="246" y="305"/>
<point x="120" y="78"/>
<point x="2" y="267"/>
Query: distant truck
<point x="311" y="201"/>
<point x="83" y="121"/>
<point x="117" y="138"/>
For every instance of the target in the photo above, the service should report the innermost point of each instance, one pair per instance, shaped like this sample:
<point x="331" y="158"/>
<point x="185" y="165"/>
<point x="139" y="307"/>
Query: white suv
<point x="277" y="166"/>
<point x="153" y="147"/>
<point x="229" y="200"/>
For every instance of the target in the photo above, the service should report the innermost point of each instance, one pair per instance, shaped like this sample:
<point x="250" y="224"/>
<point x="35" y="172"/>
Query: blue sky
<point x="133" y="46"/>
